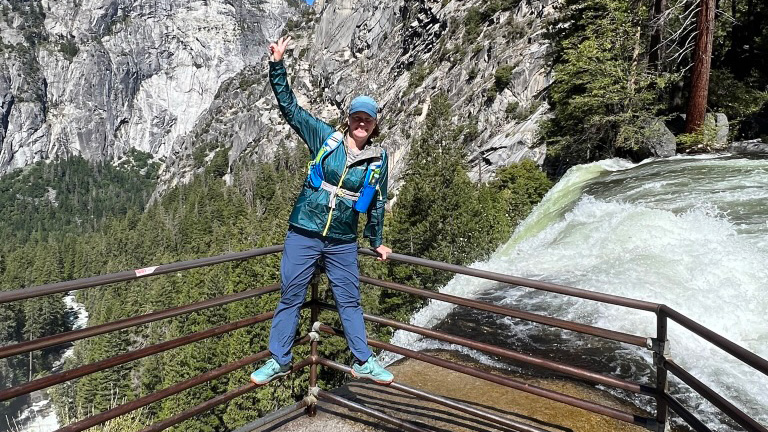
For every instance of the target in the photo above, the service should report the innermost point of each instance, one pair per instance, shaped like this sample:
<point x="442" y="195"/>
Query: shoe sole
<point x="356" y="375"/>
<point x="274" y="377"/>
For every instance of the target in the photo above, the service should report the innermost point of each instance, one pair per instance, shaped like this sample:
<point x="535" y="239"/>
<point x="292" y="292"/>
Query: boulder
<point x="753" y="147"/>
<point x="657" y="141"/>
<point x="721" y="123"/>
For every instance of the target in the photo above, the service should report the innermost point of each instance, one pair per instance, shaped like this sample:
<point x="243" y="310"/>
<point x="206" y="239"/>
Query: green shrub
<point x="503" y="76"/>
<point x="490" y="94"/>
<point x="472" y="73"/>
<point x="417" y="77"/>
<point x="512" y="108"/>
<point x="69" y="49"/>
<point x="522" y="185"/>
<point x="473" y="22"/>
<point x="703" y="140"/>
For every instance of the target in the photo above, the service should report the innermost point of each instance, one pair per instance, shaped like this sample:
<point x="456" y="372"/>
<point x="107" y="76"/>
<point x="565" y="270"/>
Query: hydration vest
<point x="316" y="179"/>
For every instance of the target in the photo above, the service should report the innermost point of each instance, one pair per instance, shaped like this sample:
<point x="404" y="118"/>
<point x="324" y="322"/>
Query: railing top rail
<point x="41" y="290"/>
<point x="514" y="313"/>
<point x="530" y="283"/>
<point x="716" y="399"/>
<point x="70" y="336"/>
<point x="741" y="353"/>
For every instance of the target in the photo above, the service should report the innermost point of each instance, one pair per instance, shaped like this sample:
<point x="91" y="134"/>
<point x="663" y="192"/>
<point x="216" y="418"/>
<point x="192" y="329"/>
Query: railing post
<point x="315" y="336"/>
<point x="660" y="347"/>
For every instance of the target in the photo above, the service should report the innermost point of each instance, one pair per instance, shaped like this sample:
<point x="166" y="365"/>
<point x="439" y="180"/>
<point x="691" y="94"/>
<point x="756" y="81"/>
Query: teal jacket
<point x="312" y="211"/>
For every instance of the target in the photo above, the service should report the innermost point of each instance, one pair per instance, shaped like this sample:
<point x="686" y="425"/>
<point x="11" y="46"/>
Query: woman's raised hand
<point x="278" y="48"/>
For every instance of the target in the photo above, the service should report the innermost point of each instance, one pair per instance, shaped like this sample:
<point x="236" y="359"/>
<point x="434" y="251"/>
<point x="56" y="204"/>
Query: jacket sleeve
<point x="311" y="130"/>
<point x="374" y="227"/>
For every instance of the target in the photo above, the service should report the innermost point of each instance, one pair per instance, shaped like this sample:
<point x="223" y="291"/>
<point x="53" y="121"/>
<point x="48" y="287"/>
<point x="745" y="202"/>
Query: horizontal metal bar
<point x="525" y="358"/>
<point x="720" y="402"/>
<point x="690" y="419"/>
<point x="515" y="313"/>
<point x="170" y="391"/>
<point x="273" y="416"/>
<point x="61" y="377"/>
<point x="61" y="338"/>
<point x="721" y="342"/>
<point x="505" y="381"/>
<point x="514" y="280"/>
<point x="458" y="406"/>
<point x="402" y="425"/>
<point x="218" y="400"/>
<point x="73" y="285"/>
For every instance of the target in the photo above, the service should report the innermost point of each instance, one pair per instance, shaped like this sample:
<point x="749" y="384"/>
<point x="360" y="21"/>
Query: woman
<point x="348" y="175"/>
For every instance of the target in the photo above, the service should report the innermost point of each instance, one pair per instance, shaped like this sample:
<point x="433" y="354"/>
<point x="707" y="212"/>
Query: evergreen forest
<point x="621" y="65"/>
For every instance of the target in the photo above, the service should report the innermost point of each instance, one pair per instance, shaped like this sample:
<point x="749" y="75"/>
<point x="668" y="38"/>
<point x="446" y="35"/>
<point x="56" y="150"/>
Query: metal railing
<point x="658" y="344"/>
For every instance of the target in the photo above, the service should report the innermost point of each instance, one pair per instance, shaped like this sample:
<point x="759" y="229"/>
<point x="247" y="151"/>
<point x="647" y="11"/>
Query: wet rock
<point x="754" y="147"/>
<point x="658" y="141"/>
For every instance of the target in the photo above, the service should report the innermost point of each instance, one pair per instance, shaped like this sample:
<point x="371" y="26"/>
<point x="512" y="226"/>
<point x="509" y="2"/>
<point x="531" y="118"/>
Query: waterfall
<point x="41" y="416"/>
<point x="689" y="232"/>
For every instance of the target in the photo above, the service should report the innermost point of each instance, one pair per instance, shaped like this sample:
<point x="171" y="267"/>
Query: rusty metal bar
<point x="525" y="358"/>
<point x="690" y="419"/>
<point x="660" y="351"/>
<point x="555" y="322"/>
<point x="403" y="425"/>
<point x="514" y="280"/>
<point x="508" y="382"/>
<point x="724" y="344"/>
<point x="73" y="285"/>
<point x="61" y="338"/>
<point x="314" y="316"/>
<point x="218" y="400"/>
<point x="170" y="391"/>
<point x="450" y="403"/>
<point x="61" y="377"/>
<point x="273" y="416"/>
<point x="750" y="424"/>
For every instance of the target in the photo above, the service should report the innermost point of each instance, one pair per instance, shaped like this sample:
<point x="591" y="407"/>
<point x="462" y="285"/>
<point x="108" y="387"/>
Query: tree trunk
<point x="697" y="103"/>
<point x="656" y="54"/>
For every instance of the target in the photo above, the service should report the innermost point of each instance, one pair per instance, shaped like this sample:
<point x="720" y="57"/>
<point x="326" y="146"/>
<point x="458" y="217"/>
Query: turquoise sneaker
<point x="269" y="371"/>
<point x="372" y="370"/>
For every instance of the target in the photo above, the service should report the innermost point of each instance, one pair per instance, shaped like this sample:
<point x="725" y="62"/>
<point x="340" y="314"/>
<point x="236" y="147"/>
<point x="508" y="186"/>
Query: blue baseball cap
<point x="364" y="104"/>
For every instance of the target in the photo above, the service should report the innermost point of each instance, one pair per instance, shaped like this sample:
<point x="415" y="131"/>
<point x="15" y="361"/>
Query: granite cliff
<point x="186" y="79"/>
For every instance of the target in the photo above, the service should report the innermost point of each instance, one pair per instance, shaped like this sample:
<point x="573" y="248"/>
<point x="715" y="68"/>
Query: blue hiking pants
<point x="302" y="250"/>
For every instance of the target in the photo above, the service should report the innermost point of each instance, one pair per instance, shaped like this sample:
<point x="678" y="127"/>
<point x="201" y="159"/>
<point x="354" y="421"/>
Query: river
<point x="690" y="232"/>
<point x="41" y="415"/>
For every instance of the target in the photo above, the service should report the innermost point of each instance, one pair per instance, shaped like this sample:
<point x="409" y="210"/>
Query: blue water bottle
<point x="369" y="189"/>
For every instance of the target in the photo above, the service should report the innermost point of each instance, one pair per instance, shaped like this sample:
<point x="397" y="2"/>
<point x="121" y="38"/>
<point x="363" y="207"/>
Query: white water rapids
<point x="690" y="232"/>
<point x="41" y="416"/>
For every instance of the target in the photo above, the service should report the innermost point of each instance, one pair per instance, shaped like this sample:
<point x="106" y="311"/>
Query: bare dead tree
<point x="657" y="22"/>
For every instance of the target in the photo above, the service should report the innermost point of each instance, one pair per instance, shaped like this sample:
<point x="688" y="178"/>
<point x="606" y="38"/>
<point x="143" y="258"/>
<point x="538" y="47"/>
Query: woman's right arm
<point x="311" y="130"/>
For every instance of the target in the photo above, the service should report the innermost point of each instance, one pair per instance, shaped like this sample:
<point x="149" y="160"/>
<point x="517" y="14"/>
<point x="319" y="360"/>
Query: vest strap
<point x="336" y="191"/>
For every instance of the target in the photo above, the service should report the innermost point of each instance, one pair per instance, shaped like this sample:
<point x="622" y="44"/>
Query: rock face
<point x="184" y="79"/>
<point x="102" y="76"/>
